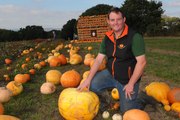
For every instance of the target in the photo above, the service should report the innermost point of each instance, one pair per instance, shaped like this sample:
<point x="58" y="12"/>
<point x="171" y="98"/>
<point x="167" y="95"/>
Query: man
<point x="125" y="52"/>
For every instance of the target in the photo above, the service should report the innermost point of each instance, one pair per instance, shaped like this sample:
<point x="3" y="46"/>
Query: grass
<point x="32" y="105"/>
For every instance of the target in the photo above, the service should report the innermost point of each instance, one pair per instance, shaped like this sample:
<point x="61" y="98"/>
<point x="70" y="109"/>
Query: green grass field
<point x="162" y="54"/>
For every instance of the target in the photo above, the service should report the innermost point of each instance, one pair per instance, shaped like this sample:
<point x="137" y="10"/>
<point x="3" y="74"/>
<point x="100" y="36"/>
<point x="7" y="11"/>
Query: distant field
<point x="163" y="55"/>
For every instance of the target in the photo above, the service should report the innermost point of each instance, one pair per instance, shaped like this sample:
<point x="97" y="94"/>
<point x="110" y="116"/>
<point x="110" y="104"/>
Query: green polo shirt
<point x="138" y="45"/>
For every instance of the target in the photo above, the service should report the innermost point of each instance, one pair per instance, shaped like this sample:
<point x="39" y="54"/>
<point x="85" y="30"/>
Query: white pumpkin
<point x="117" y="116"/>
<point x="47" y="88"/>
<point x="105" y="114"/>
<point x="5" y="95"/>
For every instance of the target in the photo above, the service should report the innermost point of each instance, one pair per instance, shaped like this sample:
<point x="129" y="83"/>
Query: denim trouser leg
<point x="103" y="80"/>
<point x="126" y="103"/>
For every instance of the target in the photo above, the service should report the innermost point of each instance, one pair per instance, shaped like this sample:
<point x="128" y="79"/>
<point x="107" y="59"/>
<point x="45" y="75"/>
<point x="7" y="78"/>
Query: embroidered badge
<point x="121" y="46"/>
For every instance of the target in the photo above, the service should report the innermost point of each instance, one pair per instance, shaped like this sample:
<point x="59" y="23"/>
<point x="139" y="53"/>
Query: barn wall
<point x="88" y="24"/>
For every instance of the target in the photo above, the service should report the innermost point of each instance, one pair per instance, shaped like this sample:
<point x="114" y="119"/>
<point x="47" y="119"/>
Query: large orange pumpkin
<point x="135" y="114"/>
<point x="174" y="95"/>
<point x="1" y="109"/>
<point x="75" y="105"/>
<point x="70" y="78"/>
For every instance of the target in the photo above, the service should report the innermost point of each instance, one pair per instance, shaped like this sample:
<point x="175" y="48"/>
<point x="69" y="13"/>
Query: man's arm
<point x="138" y="70"/>
<point x="92" y="72"/>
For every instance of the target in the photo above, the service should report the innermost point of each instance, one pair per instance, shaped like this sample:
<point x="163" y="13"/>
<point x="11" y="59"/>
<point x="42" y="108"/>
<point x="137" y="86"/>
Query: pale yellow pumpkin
<point x="15" y="87"/>
<point x="47" y="88"/>
<point x="135" y="114"/>
<point x="53" y="76"/>
<point x="5" y="95"/>
<point x="75" y="105"/>
<point x="8" y="117"/>
<point x="159" y="91"/>
<point x="75" y="59"/>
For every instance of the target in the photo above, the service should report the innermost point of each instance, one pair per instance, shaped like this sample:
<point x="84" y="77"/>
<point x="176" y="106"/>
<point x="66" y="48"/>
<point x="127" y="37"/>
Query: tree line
<point x="144" y="16"/>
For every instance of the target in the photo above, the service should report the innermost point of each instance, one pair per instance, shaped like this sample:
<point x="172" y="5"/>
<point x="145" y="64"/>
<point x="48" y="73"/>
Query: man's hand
<point x="85" y="85"/>
<point x="128" y="90"/>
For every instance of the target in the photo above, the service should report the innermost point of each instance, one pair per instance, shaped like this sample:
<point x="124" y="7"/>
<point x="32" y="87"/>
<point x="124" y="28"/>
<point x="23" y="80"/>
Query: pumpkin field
<point x="29" y="62"/>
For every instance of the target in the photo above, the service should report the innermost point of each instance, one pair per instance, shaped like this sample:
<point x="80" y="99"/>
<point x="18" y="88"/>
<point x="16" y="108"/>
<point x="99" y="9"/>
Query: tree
<point x="142" y="13"/>
<point x="69" y="29"/>
<point x="100" y="9"/>
<point x="31" y="32"/>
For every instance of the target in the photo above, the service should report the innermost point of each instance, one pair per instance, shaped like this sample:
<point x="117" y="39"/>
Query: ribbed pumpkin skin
<point x="159" y="91"/>
<point x="174" y="95"/>
<point x="136" y="114"/>
<point x="53" y="76"/>
<point x="75" y="105"/>
<point x="70" y="78"/>
<point x="15" y="87"/>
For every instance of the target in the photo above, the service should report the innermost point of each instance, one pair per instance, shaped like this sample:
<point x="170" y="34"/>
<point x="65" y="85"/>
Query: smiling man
<point x="125" y="52"/>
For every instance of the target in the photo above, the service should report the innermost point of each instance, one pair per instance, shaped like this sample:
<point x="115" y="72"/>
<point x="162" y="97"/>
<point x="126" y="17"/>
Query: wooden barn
<point x="92" y="27"/>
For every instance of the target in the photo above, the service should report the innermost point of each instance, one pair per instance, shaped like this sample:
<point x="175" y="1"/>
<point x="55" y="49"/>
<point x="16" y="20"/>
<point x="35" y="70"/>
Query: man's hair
<point x="116" y="10"/>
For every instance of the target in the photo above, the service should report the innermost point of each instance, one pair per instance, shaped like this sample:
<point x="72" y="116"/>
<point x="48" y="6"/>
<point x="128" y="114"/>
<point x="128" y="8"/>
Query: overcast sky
<point x="15" y="14"/>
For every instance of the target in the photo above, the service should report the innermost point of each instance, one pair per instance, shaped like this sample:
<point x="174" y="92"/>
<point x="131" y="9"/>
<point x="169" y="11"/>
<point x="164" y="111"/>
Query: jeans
<point x="104" y="80"/>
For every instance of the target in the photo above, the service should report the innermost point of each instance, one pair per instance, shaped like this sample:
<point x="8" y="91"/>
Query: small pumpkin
<point x="42" y="63"/>
<point x="5" y="95"/>
<point x="37" y="66"/>
<point x="75" y="59"/>
<point x="22" y="78"/>
<point x="135" y="114"/>
<point x="174" y="95"/>
<point x="53" y="76"/>
<point x="75" y="105"/>
<point x="105" y="114"/>
<point x="32" y="71"/>
<point x="54" y="62"/>
<point x="1" y="110"/>
<point x="47" y="88"/>
<point x="115" y="94"/>
<point x="28" y="59"/>
<point x="15" y="87"/>
<point x="87" y="61"/>
<point x="70" y="78"/>
<point x="62" y="59"/>
<point x="8" y="61"/>
<point x="117" y="116"/>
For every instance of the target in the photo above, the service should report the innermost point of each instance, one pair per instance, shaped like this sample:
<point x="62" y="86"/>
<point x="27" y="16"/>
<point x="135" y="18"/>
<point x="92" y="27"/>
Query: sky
<point x="16" y="14"/>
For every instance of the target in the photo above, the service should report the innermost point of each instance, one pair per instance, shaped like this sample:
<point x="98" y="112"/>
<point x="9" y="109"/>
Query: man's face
<point x="116" y="21"/>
